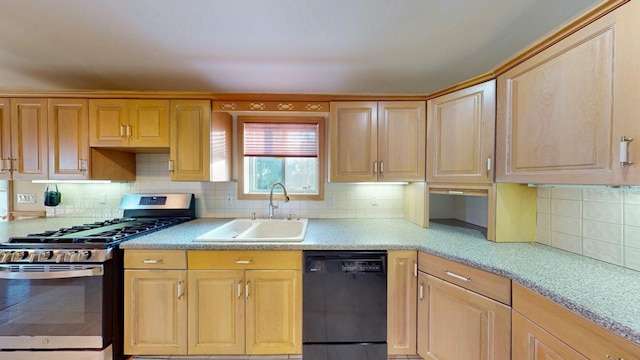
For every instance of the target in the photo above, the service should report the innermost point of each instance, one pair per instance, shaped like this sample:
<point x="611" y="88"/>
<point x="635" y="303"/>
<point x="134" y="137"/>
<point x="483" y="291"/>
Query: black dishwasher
<point x="344" y="305"/>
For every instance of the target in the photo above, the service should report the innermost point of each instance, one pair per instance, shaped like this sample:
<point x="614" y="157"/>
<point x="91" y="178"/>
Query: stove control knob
<point x="74" y="256"/>
<point x="18" y="255"/>
<point x="4" y="257"/>
<point x="45" y="255"/>
<point x="83" y="255"/>
<point x="33" y="256"/>
<point x="59" y="257"/>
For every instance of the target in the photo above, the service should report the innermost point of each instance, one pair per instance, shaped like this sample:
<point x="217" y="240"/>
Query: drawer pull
<point x="243" y="261"/>
<point x="455" y="192"/>
<point x="152" y="261"/>
<point x="609" y="357"/>
<point x="459" y="277"/>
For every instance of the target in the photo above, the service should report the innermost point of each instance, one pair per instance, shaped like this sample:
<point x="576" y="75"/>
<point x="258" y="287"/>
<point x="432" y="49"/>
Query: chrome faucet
<point x="271" y="205"/>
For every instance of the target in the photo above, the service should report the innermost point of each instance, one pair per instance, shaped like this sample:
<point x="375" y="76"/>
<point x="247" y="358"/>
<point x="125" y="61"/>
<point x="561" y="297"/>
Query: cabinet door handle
<point x="455" y="192"/>
<point x="375" y="167"/>
<point x="152" y="261"/>
<point x="170" y="165"/>
<point x="239" y="289"/>
<point x="6" y="164"/>
<point x="128" y="131"/>
<point x="246" y="289"/>
<point x="459" y="277"/>
<point x="244" y="261"/>
<point x="421" y="291"/>
<point x="415" y="269"/>
<point x="381" y="167"/>
<point x="122" y="131"/>
<point x="624" y="151"/>
<point x="180" y="289"/>
<point x="82" y="164"/>
<point x="488" y="165"/>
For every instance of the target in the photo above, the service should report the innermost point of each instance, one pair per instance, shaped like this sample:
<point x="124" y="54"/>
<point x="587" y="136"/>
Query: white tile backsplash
<point x="608" y="220"/>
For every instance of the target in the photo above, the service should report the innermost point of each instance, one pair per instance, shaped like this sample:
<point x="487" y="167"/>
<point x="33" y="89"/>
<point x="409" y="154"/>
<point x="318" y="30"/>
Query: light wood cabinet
<point x="29" y="146"/>
<point x="5" y="139"/>
<point x="561" y="113"/>
<point x="377" y="141"/>
<point x="461" y="135"/>
<point x="245" y="302"/>
<point x="155" y="303"/>
<point x="541" y="325"/>
<point x="461" y="322"/>
<point x="69" y="139"/>
<point x="125" y="123"/>
<point x="200" y="142"/>
<point x="401" y="302"/>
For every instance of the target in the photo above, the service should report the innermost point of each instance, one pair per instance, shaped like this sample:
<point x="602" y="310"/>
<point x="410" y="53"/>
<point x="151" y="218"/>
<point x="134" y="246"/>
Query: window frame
<point x="281" y="119"/>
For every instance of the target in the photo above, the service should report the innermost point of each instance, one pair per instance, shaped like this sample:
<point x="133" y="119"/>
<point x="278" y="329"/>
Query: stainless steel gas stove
<point x="63" y="288"/>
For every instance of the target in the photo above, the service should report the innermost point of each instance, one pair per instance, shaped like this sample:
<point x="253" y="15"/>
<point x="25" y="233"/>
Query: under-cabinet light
<point x="70" y="181"/>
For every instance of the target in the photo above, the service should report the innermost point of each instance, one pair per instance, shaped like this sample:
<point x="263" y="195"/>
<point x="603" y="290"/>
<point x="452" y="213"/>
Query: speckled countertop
<point x="604" y="293"/>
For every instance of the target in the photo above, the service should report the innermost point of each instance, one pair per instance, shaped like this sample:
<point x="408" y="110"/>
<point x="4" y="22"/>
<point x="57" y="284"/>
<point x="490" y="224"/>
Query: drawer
<point x="482" y="282"/>
<point x="231" y="259"/>
<point x="579" y="333"/>
<point x="155" y="259"/>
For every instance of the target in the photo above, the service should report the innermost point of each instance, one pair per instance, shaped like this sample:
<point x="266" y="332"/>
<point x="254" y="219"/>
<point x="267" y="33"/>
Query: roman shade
<point x="263" y="139"/>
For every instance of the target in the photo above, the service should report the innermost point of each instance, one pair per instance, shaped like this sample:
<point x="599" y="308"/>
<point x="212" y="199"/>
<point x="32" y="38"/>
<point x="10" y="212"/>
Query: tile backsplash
<point x="601" y="223"/>
<point x="101" y="200"/>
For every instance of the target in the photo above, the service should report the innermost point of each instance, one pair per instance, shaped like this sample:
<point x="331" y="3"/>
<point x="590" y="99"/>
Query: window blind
<point x="280" y="139"/>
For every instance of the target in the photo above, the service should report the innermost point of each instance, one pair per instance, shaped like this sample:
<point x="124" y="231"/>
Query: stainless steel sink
<point x="258" y="230"/>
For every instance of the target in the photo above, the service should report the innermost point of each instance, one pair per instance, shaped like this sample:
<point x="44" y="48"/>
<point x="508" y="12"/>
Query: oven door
<point x="60" y="306"/>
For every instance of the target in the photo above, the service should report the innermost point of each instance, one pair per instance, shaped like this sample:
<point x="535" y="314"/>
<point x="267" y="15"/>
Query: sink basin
<point x="258" y="230"/>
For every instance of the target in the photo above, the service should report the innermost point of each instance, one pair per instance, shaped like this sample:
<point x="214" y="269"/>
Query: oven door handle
<point x="97" y="271"/>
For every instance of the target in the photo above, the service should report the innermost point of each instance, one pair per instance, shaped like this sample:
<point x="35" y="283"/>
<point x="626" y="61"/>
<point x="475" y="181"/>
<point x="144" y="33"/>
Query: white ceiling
<point x="266" y="46"/>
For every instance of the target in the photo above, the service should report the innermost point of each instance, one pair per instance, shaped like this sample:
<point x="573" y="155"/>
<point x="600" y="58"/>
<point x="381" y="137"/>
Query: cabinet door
<point x="354" y="141"/>
<point x="531" y="342"/>
<point x="108" y="120"/>
<point x="190" y="140"/>
<point x="460" y="324"/>
<point x="555" y="113"/>
<point x="422" y="317"/>
<point x="5" y="140"/>
<point x="461" y="135"/>
<point x="148" y="123"/>
<point x="401" y="140"/>
<point x="29" y="139"/>
<point x="401" y="302"/>
<point x="69" y="139"/>
<point x="216" y="312"/>
<point x="274" y="311"/>
<point x="155" y="308"/>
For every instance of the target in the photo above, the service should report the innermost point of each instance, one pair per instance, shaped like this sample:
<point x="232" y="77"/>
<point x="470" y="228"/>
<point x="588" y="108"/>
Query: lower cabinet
<point x="543" y="329"/>
<point x="223" y="302"/>
<point x="245" y="302"/>
<point x="455" y="322"/>
<point x="155" y="303"/>
<point x="401" y="302"/>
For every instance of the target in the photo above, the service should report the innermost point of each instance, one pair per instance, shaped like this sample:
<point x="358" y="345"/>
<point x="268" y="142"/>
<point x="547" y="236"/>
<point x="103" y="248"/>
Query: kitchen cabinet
<point x="401" y="302"/>
<point x="461" y="135"/>
<point x="463" y="312"/>
<point x="377" y="141"/>
<point x="542" y="327"/>
<point x="122" y="123"/>
<point x="68" y="131"/>
<point x="200" y="142"/>
<point x="245" y="302"/>
<point x="24" y="151"/>
<point x="562" y="113"/>
<point x="155" y="302"/>
<point x="5" y="139"/>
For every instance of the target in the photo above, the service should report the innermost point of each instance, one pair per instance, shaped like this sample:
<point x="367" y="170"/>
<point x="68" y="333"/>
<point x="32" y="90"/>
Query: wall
<point x="598" y="222"/>
<point x="101" y="200"/>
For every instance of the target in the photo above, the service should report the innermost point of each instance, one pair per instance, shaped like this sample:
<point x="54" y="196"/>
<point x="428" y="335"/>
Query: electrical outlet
<point x="229" y="199"/>
<point x="374" y="200"/>
<point x="26" y="198"/>
<point x="331" y="199"/>
<point x="102" y="198"/>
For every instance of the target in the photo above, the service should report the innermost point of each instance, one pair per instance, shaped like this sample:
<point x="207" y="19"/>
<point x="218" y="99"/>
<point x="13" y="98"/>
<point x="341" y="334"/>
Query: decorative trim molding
<point x="271" y="106"/>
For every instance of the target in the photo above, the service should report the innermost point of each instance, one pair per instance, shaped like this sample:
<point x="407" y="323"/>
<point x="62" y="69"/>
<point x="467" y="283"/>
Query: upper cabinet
<point x="68" y="139"/>
<point x="461" y="135"/>
<point x="28" y="119"/>
<point x="129" y="123"/>
<point x="200" y="142"/>
<point x="565" y="114"/>
<point x="377" y="141"/>
<point x="5" y="140"/>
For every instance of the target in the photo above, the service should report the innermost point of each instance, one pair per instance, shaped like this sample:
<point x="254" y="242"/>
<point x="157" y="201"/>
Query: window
<point x="278" y="149"/>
